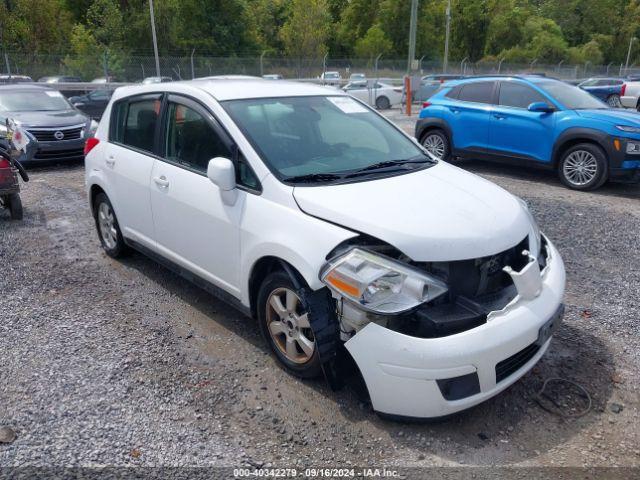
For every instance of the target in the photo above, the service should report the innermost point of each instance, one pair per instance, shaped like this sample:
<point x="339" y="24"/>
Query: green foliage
<point x="306" y="31"/>
<point x="596" y="31"/>
<point x="375" y="42"/>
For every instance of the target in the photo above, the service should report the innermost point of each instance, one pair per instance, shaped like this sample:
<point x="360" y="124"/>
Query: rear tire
<point x="108" y="227"/>
<point x="583" y="167"/>
<point x="383" y="103"/>
<point x="15" y="206"/>
<point x="284" y="321"/>
<point x="437" y="143"/>
<point x="614" y="101"/>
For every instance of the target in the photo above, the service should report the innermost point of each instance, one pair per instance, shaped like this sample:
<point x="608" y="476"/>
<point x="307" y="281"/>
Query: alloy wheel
<point x="580" y="168"/>
<point x="614" y="101"/>
<point x="435" y="146"/>
<point x="107" y="224"/>
<point x="289" y="327"/>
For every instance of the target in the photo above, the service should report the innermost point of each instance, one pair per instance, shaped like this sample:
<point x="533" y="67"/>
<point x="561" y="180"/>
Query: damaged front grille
<point x="476" y="288"/>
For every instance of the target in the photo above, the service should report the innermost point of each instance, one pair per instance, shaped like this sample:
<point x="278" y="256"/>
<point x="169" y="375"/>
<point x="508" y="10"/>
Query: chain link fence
<point x="131" y="68"/>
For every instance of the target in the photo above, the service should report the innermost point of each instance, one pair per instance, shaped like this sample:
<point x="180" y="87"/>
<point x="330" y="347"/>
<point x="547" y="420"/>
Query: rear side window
<point x="134" y="122"/>
<point x="478" y="92"/>
<point x="518" y="95"/>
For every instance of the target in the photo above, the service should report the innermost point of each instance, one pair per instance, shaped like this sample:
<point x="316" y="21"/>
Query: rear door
<point x="128" y="162"/>
<point x="517" y="132"/>
<point x="470" y="116"/>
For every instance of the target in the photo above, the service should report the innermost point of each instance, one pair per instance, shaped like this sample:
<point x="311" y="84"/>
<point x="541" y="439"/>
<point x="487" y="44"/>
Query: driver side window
<point x="191" y="141"/>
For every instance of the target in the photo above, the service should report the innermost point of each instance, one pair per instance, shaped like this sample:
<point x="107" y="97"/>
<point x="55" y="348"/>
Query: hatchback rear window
<point x="478" y="92"/>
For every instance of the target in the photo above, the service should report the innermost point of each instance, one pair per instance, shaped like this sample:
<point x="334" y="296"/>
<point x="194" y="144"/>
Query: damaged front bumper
<point x="431" y="377"/>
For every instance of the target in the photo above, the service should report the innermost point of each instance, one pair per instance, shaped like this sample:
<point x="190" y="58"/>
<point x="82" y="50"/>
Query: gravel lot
<point x="123" y="363"/>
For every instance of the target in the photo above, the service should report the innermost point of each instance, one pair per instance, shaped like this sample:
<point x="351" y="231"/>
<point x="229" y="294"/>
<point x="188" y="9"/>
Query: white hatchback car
<point x="335" y="230"/>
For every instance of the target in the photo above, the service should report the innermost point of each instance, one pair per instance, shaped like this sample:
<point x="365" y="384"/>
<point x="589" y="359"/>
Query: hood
<point x="442" y="213"/>
<point x="614" y="116"/>
<point x="59" y="118"/>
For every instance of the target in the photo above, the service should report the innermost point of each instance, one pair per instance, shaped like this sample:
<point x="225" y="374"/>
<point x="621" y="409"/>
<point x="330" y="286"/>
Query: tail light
<point x="4" y="163"/>
<point x="90" y="144"/>
<point x="426" y="104"/>
<point x="623" y="89"/>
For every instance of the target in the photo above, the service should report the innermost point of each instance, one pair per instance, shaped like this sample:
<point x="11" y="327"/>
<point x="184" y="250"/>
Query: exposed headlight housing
<point x="93" y="127"/>
<point x="535" y="236"/>
<point x="628" y="129"/>
<point x="379" y="284"/>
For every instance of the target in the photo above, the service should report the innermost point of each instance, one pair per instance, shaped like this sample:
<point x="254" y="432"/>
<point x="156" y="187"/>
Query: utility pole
<point x="445" y="64"/>
<point x="153" y="35"/>
<point x="626" y="67"/>
<point x="412" y="34"/>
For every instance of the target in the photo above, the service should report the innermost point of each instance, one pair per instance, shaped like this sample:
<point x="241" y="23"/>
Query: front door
<point x="194" y="228"/>
<point x="517" y="132"/>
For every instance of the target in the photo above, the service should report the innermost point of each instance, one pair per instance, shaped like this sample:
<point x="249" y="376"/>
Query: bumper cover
<point x="402" y="372"/>
<point x="66" y="150"/>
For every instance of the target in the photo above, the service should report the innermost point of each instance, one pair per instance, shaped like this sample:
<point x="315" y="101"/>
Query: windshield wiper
<point x="390" y="163"/>
<point x="314" y="177"/>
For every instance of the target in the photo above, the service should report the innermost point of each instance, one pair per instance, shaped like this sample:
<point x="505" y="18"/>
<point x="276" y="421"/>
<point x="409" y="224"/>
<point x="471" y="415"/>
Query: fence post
<point x="193" y="74"/>
<point x="143" y="75"/>
<point x="105" y="66"/>
<point x="261" y="62"/>
<point x="6" y="60"/>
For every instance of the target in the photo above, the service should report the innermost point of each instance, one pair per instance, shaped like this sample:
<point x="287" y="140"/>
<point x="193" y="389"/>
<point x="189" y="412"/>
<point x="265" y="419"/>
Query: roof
<point x="235" y="88"/>
<point x="485" y="78"/>
<point x="22" y="86"/>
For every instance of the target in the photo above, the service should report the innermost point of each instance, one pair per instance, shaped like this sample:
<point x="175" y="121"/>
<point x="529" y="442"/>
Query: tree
<point x="373" y="43"/>
<point x="104" y="20"/>
<point x="469" y="28"/>
<point x="305" y="33"/>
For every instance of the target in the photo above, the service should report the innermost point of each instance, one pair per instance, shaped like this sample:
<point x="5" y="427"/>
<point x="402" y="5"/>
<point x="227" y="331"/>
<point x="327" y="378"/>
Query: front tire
<point x="108" y="227"/>
<point x="285" y="324"/>
<point x="583" y="167"/>
<point x="437" y="143"/>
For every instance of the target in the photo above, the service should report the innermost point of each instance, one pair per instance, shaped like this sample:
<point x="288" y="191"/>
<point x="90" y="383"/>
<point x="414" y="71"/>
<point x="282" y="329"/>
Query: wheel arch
<point x="576" y="136"/>
<point x="94" y="191"/>
<point x="425" y="125"/>
<point x="261" y="269"/>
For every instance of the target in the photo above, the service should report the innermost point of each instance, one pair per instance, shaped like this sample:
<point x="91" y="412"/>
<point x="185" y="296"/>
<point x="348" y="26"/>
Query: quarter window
<point x="513" y="94"/>
<point x="478" y="92"/>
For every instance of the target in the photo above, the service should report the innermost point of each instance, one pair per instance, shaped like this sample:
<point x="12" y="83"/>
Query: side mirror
<point x="222" y="173"/>
<point x="541" y="107"/>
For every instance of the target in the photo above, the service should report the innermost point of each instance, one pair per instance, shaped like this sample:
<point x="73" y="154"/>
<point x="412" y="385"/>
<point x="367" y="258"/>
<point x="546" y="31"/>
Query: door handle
<point x="499" y="117"/>
<point x="161" y="181"/>
<point x="454" y="110"/>
<point x="110" y="161"/>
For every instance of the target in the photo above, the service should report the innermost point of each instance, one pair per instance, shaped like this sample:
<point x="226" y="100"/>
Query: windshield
<point x="302" y="136"/>
<point x="33" y="101"/>
<point x="570" y="96"/>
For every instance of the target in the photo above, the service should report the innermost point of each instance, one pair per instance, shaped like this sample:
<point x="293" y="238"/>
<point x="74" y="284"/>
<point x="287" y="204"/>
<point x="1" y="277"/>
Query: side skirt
<point x="190" y="276"/>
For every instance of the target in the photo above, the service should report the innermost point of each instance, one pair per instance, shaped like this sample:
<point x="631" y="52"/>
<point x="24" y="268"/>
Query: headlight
<point x="379" y="284"/>
<point x="93" y="127"/>
<point x="628" y="129"/>
<point x="535" y="240"/>
<point x="633" y="148"/>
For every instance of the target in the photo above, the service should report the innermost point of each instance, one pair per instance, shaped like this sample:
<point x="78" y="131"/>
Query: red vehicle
<point x="10" y="168"/>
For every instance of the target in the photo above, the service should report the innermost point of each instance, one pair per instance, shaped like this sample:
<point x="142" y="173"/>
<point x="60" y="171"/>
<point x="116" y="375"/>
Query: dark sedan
<point x="606" y="89"/>
<point x="93" y="103"/>
<point x="59" y="128"/>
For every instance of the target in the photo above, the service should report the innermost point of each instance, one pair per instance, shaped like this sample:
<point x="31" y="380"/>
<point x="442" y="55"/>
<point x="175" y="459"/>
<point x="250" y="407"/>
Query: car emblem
<point x="58" y="135"/>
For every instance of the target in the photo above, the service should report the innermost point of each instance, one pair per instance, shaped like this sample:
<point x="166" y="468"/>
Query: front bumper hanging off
<point x="432" y="377"/>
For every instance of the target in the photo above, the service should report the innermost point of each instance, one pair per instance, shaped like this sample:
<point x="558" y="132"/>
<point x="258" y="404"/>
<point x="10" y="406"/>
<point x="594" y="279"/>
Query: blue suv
<point x="533" y="121"/>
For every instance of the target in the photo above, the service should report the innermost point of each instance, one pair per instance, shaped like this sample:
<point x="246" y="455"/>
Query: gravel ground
<point x="122" y="363"/>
